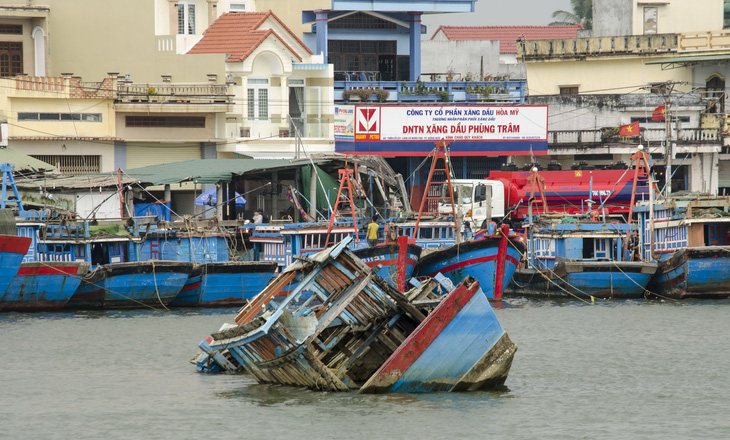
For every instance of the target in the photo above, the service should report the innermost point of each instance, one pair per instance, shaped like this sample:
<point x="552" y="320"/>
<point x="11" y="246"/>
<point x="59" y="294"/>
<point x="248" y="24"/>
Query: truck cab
<point x="479" y="200"/>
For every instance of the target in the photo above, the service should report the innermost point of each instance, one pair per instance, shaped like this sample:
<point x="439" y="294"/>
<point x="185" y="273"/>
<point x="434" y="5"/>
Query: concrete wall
<point x="464" y="56"/>
<point x="612" y="18"/>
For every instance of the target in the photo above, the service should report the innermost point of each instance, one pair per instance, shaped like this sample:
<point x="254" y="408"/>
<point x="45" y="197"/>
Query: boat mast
<point x="440" y="152"/>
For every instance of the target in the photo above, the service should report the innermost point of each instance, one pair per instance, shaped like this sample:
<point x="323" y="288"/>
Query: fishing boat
<point x="12" y="250"/>
<point x="131" y="285"/>
<point x="689" y="237"/>
<point x="224" y="284"/>
<point x="491" y="260"/>
<point x="114" y="281"/>
<point x="397" y="261"/>
<point x="355" y="324"/>
<point x="571" y="256"/>
<point x="43" y="286"/>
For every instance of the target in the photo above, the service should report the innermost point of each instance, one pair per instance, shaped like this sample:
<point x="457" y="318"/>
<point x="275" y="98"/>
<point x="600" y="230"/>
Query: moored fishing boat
<point x="491" y="260"/>
<point x="569" y="256"/>
<point x="131" y="285"/>
<point x="41" y="286"/>
<point x="12" y="250"/>
<point x="689" y="237"/>
<point x="225" y="284"/>
<point x="397" y="261"/>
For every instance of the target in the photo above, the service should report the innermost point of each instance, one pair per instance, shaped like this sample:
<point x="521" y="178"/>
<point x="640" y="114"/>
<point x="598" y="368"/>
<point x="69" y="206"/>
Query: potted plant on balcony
<point x="450" y="72"/>
<point x="380" y="94"/>
<point x="354" y="95"/>
<point x="423" y="93"/>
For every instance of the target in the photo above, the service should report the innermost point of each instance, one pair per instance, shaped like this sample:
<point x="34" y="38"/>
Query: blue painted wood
<point x="477" y="258"/>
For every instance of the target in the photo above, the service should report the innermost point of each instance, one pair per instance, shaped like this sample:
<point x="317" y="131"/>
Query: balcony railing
<point x="597" y="46"/>
<point x="718" y="40"/>
<point x="502" y="92"/>
<point x="172" y="93"/>
<point x="597" y="137"/>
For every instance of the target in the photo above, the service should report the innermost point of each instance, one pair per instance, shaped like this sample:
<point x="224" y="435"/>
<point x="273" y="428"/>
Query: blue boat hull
<point x="598" y="279"/>
<point x="387" y="257"/>
<point x="460" y="346"/>
<point x="699" y="272"/>
<point x="479" y="259"/>
<point x="12" y="251"/>
<point x="41" y="286"/>
<point x="131" y="285"/>
<point x="226" y="284"/>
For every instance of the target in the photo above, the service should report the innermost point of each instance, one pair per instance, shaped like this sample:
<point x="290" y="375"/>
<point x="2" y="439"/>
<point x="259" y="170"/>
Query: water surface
<point x="622" y="369"/>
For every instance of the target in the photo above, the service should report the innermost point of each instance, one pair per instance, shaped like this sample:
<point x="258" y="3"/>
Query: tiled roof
<point x="508" y="35"/>
<point x="237" y="34"/>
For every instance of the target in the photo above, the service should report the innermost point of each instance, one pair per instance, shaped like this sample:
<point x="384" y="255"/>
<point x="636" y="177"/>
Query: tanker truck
<point x="505" y="195"/>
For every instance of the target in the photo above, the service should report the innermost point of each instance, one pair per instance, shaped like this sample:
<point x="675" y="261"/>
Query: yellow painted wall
<point x="605" y="76"/>
<point x="91" y="38"/>
<point x="681" y="16"/>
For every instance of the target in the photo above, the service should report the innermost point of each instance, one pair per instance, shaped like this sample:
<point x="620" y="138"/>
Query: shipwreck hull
<point x="42" y="286"/>
<point x="699" y="272"/>
<point x="491" y="260"/>
<point x="598" y="279"/>
<point x="131" y="285"/>
<point x="225" y="284"/>
<point x="460" y="346"/>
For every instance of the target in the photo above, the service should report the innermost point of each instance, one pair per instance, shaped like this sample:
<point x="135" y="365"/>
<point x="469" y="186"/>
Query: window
<point x="11" y="29"/>
<point x="11" y="58"/>
<point x="237" y="7"/>
<point x="361" y="20"/>
<point x="650" y="20"/>
<point x="165" y="121"/>
<point x="568" y="90"/>
<point x="87" y="117"/>
<point x="72" y="164"/>
<point x="186" y="18"/>
<point x="726" y="14"/>
<point x="258" y="99"/>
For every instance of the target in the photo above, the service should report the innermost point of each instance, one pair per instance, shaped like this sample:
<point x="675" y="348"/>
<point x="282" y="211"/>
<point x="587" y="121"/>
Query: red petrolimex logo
<point x="368" y="123"/>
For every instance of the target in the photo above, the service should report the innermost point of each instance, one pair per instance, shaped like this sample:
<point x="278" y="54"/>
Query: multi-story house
<point x="640" y="57"/>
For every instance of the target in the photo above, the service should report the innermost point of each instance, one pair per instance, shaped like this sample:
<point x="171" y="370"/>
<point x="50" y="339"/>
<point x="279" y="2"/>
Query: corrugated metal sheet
<point x="142" y="155"/>
<point x="23" y="162"/>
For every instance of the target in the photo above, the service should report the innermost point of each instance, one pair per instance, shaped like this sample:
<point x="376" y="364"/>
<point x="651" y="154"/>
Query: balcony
<point x="609" y="136"/>
<point x="452" y="92"/>
<point x="203" y="93"/>
<point x="582" y="48"/>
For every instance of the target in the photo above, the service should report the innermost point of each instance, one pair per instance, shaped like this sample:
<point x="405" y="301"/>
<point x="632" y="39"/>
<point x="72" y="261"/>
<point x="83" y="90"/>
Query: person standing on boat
<point x="373" y="229"/>
<point x="258" y="216"/>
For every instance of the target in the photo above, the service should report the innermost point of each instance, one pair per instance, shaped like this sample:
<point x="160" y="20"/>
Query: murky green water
<point x="629" y="369"/>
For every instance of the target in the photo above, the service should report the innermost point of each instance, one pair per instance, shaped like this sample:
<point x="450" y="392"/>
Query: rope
<point x="157" y="291"/>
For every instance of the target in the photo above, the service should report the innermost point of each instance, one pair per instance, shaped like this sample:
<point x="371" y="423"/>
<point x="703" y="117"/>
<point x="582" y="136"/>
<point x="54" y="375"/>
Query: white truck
<point x="479" y="200"/>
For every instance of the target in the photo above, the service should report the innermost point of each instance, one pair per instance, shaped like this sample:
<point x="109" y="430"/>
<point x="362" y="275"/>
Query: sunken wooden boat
<point x="492" y="260"/>
<point x="43" y="286"/>
<point x="353" y="323"/>
<point x="131" y="285"/>
<point x="460" y="346"/>
<point x="225" y="284"/>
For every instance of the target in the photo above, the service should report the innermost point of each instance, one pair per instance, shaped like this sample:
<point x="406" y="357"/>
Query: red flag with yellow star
<point x="629" y="130"/>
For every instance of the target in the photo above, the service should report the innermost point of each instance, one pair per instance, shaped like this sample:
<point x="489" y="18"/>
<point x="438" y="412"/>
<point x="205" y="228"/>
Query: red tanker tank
<point x="568" y="191"/>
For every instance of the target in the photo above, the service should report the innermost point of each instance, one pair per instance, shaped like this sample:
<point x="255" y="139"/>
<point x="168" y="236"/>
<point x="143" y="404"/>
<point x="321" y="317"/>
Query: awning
<point x="688" y="60"/>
